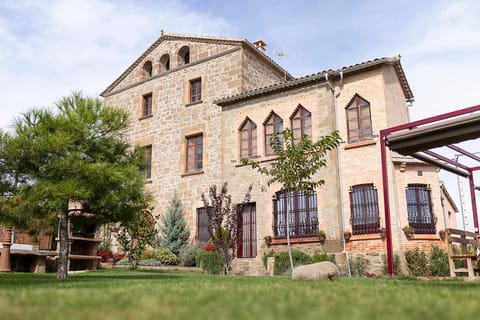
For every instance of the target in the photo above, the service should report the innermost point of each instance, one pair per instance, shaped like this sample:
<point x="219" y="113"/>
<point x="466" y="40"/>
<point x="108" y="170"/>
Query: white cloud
<point x="49" y="49"/>
<point x="442" y="60"/>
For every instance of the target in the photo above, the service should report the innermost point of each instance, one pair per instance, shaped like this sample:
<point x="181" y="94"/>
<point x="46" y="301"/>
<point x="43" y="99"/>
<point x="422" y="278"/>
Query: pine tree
<point x="174" y="231"/>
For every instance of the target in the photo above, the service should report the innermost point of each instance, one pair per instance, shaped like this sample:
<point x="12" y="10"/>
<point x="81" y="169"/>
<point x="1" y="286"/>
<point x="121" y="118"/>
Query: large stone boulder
<point x="316" y="271"/>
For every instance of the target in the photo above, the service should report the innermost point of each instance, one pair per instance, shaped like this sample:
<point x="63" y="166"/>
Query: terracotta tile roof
<point x="192" y="38"/>
<point x="320" y="76"/>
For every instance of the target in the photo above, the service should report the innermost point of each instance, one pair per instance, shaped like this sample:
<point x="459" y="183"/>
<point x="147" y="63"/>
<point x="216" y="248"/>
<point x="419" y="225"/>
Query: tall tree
<point x="223" y="219"/>
<point x="74" y="155"/>
<point x="295" y="165"/>
<point x="174" y="233"/>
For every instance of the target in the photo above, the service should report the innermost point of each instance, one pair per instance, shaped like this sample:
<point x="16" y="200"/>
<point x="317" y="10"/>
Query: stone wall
<point x="221" y="70"/>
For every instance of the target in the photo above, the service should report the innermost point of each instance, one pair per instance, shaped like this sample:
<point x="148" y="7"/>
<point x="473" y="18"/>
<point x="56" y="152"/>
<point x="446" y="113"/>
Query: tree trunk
<point x="62" y="268"/>
<point x="289" y="247"/>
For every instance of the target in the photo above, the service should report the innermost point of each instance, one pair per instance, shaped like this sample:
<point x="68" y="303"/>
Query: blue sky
<point x="50" y="47"/>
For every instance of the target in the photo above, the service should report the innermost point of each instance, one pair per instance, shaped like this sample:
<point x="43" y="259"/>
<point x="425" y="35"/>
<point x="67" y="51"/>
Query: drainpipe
<point x="442" y="201"/>
<point x="335" y="95"/>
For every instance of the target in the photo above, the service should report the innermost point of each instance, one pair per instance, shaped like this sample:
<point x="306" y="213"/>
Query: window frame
<point x="147" y="105"/>
<point x="419" y="198"/>
<point x="364" y="209"/>
<point x="203" y="222"/>
<point x="184" y="55"/>
<point x="194" y="142"/>
<point x="164" y="62"/>
<point x="308" y="205"/>
<point x="364" y="132"/>
<point x="276" y="127"/>
<point x="247" y="239"/>
<point x="195" y="90"/>
<point x="305" y="123"/>
<point x="250" y="128"/>
<point x="147" y="69"/>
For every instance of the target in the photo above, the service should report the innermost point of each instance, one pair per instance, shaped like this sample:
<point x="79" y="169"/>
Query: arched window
<point x="248" y="139"/>
<point x="302" y="214"/>
<point x="184" y="55"/>
<point x="301" y="122"/>
<point x="147" y="69"/>
<point x="359" y="122"/>
<point x="165" y="63"/>
<point x="273" y="125"/>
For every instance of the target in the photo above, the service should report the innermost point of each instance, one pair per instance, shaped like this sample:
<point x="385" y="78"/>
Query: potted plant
<point x="347" y="235"/>
<point x="268" y="240"/>
<point x="322" y="236"/>
<point x="409" y="231"/>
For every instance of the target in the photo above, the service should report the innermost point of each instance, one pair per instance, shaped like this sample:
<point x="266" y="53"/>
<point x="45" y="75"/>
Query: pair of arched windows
<point x="183" y="58"/>
<point x="300" y="123"/>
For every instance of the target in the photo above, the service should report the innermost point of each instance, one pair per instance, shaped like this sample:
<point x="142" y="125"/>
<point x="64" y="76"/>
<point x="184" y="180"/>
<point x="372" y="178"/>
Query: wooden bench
<point x="462" y="246"/>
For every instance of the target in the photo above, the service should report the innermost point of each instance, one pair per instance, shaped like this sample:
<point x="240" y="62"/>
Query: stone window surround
<point x="185" y="134"/>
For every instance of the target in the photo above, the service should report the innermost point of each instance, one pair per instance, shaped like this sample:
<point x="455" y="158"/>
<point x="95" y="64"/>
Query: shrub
<point x="397" y="265"/>
<point x="165" y="256"/>
<point x="439" y="262"/>
<point x="211" y="262"/>
<point x="149" y="263"/>
<point x="417" y="262"/>
<point x="148" y="253"/>
<point x="282" y="262"/>
<point x="265" y="258"/>
<point x="323" y="256"/>
<point x="358" y="266"/>
<point x="187" y="254"/>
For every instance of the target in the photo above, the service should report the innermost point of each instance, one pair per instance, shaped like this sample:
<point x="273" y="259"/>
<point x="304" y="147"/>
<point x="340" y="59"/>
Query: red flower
<point x="209" y="247"/>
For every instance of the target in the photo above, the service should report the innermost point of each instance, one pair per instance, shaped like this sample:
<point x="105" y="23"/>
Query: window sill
<point x="295" y="240"/>
<point x="193" y="103"/>
<point x="368" y="236"/>
<point x="192" y="173"/>
<point x="148" y="181"/>
<point x="424" y="237"/>
<point x="359" y="144"/>
<point x="146" y="117"/>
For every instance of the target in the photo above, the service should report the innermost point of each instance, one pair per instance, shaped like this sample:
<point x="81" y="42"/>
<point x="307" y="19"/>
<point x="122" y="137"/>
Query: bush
<point x="282" y="261"/>
<point x="187" y="254"/>
<point x="265" y="258"/>
<point x="439" y="262"/>
<point x="319" y="257"/>
<point x="147" y="254"/>
<point x="358" y="266"/>
<point x="211" y="262"/>
<point x="417" y="262"/>
<point x="149" y="263"/>
<point x="397" y="265"/>
<point x="165" y="256"/>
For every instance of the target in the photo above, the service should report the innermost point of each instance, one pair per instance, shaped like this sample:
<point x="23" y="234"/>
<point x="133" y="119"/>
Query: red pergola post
<point x="474" y="202"/>
<point x="386" y="202"/>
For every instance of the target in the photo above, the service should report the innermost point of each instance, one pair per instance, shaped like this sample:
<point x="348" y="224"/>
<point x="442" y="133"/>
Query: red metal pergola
<point x="430" y="140"/>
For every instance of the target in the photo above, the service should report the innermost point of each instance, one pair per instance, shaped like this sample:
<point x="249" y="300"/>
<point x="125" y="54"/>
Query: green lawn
<point x="125" y="294"/>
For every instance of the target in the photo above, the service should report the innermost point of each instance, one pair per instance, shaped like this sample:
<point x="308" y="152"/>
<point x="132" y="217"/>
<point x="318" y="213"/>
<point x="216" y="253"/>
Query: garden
<point x="122" y="293"/>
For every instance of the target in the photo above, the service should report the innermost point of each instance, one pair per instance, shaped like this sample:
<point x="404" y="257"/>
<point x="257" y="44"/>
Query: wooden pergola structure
<point x="428" y="140"/>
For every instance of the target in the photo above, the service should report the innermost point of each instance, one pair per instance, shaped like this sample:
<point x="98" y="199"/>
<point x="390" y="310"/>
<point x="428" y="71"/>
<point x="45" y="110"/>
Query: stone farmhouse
<point x="199" y="104"/>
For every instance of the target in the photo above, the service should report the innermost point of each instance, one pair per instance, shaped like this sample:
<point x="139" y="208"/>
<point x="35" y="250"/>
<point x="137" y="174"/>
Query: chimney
<point x="260" y="45"/>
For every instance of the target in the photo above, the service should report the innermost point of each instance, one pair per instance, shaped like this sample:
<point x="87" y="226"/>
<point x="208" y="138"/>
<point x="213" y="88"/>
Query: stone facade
<point x="239" y="83"/>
